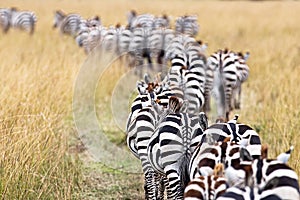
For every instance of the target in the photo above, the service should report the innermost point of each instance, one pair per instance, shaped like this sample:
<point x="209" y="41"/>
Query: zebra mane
<point x="174" y="104"/>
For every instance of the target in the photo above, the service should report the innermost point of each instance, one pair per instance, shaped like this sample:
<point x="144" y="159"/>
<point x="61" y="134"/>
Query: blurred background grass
<point x="37" y="132"/>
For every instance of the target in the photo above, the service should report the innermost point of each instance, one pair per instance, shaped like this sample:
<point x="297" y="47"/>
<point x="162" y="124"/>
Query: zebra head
<point x="58" y="18"/>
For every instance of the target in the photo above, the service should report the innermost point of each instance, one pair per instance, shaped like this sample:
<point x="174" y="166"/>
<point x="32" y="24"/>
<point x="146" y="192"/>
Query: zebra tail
<point x="184" y="169"/>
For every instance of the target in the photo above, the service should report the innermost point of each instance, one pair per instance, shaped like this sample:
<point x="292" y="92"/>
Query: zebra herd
<point x="182" y="156"/>
<point x="13" y="18"/>
<point x="167" y="129"/>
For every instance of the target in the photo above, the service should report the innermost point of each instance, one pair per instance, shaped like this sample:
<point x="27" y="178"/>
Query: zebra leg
<point x="148" y="184"/>
<point x="176" y="189"/>
<point x="162" y="182"/>
<point x="31" y="31"/>
<point x="238" y="103"/>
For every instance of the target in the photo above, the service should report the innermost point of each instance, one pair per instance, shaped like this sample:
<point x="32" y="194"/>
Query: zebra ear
<point x="245" y="155"/>
<point x="246" y="56"/>
<point x="264" y="151"/>
<point x="203" y="121"/>
<point x="141" y="89"/>
<point x="174" y="104"/>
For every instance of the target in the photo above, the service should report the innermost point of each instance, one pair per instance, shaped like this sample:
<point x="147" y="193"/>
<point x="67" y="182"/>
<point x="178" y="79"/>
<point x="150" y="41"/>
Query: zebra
<point x="188" y="71"/>
<point x="5" y="15"/>
<point x="23" y="20"/>
<point x="90" y="37"/>
<point x="139" y="132"/>
<point x="207" y="187"/>
<point x="170" y="147"/>
<point x="248" y="193"/>
<point x="143" y="20"/>
<point x="220" y="140"/>
<point x="195" y="81"/>
<point x="138" y="135"/>
<point x="187" y="25"/>
<point x="161" y="22"/>
<point x="264" y="179"/>
<point x="159" y="40"/>
<point x="67" y="23"/>
<point x="265" y="172"/>
<point x="139" y="48"/>
<point x="222" y="70"/>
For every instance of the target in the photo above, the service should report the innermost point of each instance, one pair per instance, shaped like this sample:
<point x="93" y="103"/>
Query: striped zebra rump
<point x="159" y="40"/>
<point x="138" y="135"/>
<point x="264" y="179"/>
<point x="139" y="49"/>
<point x="179" y="45"/>
<point x="109" y="42"/>
<point x="248" y="193"/>
<point x="205" y="188"/>
<point x="285" y="181"/>
<point x="195" y="80"/>
<point x="70" y="24"/>
<point x="170" y="148"/>
<point x="187" y="25"/>
<point x="142" y="20"/>
<point x="161" y="22"/>
<point x="123" y="40"/>
<point x="224" y="80"/>
<point x="207" y="155"/>
<point x="238" y="133"/>
<point x="23" y="20"/>
<point x="5" y="15"/>
<point x="221" y="143"/>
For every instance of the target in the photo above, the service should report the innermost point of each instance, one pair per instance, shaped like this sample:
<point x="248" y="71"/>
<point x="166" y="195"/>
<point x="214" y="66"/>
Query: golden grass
<point x="38" y="73"/>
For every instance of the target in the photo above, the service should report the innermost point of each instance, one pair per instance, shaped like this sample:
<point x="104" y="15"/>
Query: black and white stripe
<point x="171" y="145"/>
<point x="242" y="74"/>
<point x="205" y="188"/>
<point x="67" y="23"/>
<point x="5" y="16"/>
<point x="23" y="20"/>
<point x="187" y="25"/>
<point x="223" y="78"/>
<point x="143" y="20"/>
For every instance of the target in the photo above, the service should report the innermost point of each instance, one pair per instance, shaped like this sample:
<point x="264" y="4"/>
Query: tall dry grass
<point x="38" y="73"/>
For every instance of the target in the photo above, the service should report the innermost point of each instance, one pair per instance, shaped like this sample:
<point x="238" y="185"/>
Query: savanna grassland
<point x="40" y="155"/>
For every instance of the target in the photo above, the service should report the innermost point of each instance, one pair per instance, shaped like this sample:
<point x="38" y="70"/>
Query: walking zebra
<point x="222" y="70"/>
<point x="207" y="187"/>
<point x="187" y="25"/>
<point x="67" y="23"/>
<point x="5" y="16"/>
<point x="264" y="179"/>
<point x="266" y="172"/>
<point x="161" y="22"/>
<point x="23" y="20"/>
<point x="221" y="143"/>
<point x="170" y="148"/>
<point x="159" y="41"/>
<point x="139" y="132"/>
<point x="188" y="71"/>
<point x="139" y="48"/>
<point x="143" y="20"/>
